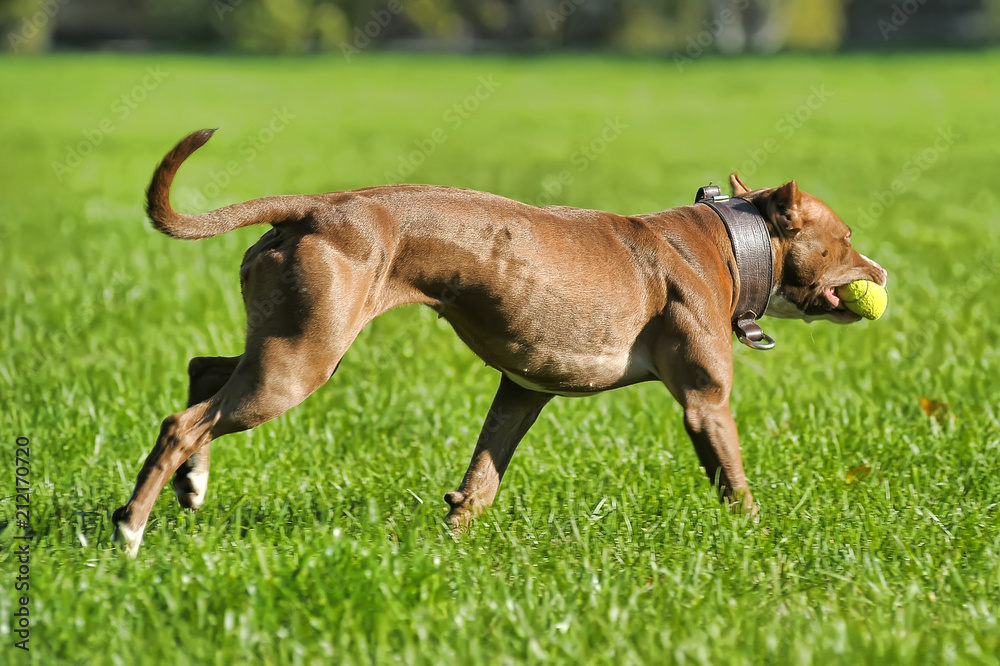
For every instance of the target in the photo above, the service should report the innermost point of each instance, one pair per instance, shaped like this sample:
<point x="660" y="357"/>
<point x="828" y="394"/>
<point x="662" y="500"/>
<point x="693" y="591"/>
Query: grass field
<point x="322" y="540"/>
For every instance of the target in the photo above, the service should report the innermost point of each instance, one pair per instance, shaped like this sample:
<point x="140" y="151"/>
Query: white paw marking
<point x="199" y="482"/>
<point x="190" y="489"/>
<point x="129" y="538"/>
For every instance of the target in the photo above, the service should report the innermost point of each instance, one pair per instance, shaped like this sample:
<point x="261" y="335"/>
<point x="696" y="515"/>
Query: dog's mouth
<point x="835" y="309"/>
<point x="830" y="294"/>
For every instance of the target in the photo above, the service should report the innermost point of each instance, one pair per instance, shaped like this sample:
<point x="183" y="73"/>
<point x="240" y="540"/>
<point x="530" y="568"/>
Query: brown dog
<point x="561" y="301"/>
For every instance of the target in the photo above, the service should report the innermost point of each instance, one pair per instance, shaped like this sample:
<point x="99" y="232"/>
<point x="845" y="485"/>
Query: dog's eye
<point x="826" y="253"/>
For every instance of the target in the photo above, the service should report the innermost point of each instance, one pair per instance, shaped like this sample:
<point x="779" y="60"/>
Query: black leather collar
<point x="754" y="262"/>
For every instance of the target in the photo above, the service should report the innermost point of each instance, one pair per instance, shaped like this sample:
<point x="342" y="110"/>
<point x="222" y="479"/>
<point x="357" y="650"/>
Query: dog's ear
<point x="784" y="209"/>
<point x="739" y="187"/>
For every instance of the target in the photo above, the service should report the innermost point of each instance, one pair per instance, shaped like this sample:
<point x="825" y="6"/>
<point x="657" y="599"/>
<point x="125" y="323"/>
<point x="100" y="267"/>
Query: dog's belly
<point x="556" y="363"/>
<point x="594" y="374"/>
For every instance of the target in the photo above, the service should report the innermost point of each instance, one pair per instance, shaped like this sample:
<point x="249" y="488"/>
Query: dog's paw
<point x="460" y="519"/>
<point x="743" y="505"/>
<point x="464" y="510"/>
<point x="190" y="489"/>
<point x="125" y="537"/>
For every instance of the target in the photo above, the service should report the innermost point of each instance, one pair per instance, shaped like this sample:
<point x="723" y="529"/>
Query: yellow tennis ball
<point x="864" y="297"/>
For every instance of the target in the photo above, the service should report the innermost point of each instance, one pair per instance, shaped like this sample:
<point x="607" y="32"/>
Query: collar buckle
<point x="710" y="192"/>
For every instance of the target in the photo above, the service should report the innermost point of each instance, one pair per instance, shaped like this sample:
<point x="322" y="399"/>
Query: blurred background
<point x="676" y="28"/>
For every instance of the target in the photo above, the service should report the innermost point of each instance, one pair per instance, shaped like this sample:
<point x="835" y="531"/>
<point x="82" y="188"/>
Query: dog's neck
<point x="753" y="254"/>
<point x="779" y="245"/>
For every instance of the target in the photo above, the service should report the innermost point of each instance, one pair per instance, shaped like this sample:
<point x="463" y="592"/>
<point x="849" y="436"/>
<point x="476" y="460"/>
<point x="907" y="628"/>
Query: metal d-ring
<point x="767" y="342"/>
<point x="746" y="329"/>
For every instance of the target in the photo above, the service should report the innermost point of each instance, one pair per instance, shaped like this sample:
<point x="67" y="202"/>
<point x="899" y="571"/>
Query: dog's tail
<point x="269" y="210"/>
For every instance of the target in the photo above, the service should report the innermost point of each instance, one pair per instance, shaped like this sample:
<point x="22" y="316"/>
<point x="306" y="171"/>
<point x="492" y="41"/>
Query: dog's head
<point x="813" y="253"/>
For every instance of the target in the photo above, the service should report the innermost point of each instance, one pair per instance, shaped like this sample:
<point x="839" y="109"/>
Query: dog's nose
<point x="883" y="275"/>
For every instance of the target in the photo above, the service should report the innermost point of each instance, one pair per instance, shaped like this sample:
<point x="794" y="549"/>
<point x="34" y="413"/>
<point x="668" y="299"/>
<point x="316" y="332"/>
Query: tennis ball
<point x="864" y="297"/>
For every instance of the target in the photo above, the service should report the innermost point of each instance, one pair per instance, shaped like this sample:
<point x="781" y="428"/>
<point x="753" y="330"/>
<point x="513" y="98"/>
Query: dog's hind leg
<point x="512" y="413"/>
<point x="288" y="356"/>
<point x="269" y="380"/>
<point x="207" y="375"/>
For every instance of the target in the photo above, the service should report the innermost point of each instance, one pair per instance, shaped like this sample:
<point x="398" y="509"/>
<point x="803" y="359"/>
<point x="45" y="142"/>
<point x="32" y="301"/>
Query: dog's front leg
<point x="710" y="425"/>
<point x="697" y="367"/>
<point x="512" y="413"/>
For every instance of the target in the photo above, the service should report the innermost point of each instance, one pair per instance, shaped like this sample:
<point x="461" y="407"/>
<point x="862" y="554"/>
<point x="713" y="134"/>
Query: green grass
<point x="322" y="540"/>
